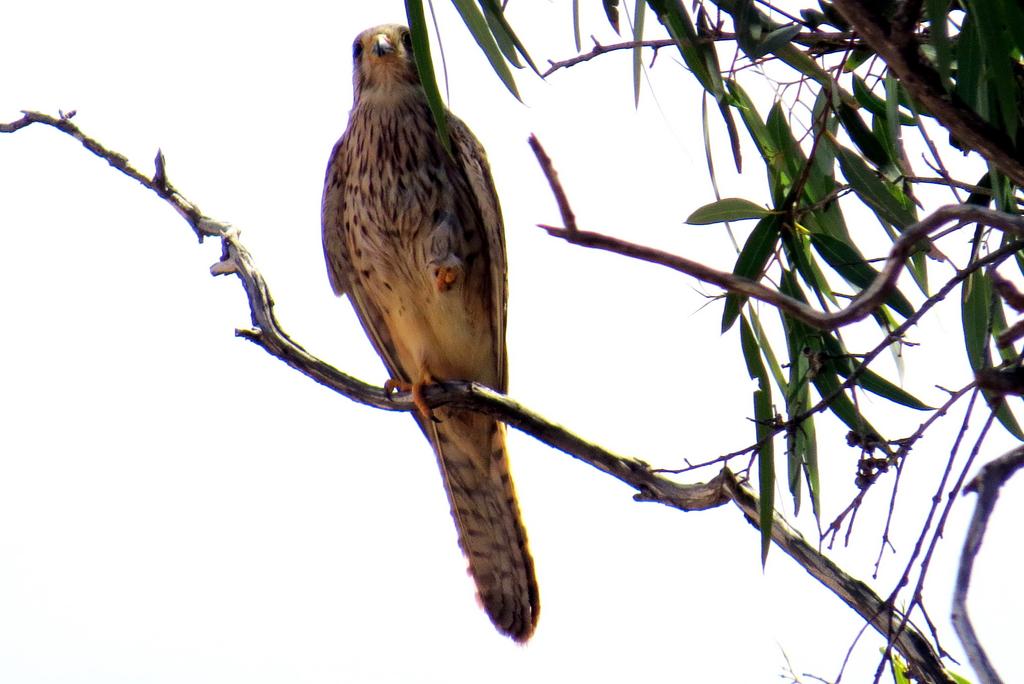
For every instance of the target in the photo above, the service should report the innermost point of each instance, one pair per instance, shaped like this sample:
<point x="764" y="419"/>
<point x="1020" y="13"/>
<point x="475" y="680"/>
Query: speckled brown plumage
<point x="414" y="236"/>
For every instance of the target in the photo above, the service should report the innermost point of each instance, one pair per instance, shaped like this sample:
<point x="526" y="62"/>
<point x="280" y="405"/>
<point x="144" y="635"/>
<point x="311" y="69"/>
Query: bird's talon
<point x="393" y="385"/>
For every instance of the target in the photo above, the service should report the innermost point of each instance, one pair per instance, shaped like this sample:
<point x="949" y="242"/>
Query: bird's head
<point x="383" y="64"/>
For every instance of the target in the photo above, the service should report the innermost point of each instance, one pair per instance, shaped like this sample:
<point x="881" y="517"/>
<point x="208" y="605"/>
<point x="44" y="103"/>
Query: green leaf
<point x="425" y="66"/>
<point x="831" y="355"/>
<point x="857" y="57"/>
<point x="775" y="40"/>
<point x="481" y="31"/>
<point x="970" y="84"/>
<point x="611" y="10"/>
<point x="851" y="265"/>
<point x="884" y="198"/>
<point x="639" y="11"/>
<point x="502" y="36"/>
<point x="862" y="137"/>
<point x="798" y="251"/>
<point x="752" y="120"/>
<point x="996" y="48"/>
<point x="938" y="13"/>
<point x="764" y="418"/>
<point x="676" y="21"/>
<point x="827" y="382"/>
<point x="976" y="303"/>
<point x="576" y="23"/>
<point x="876" y="384"/>
<point x="758" y="248"/>
<point x="769" y="355"/>
<point x="976" y="307"/>
<point x="506" y="38"/>
<point x="797" y="401"/>
<point x="1013" y="20"/>
<point x="873" y="103"/>
<point x="728" y="209"/>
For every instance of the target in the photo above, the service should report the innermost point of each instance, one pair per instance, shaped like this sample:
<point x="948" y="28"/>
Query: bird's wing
<point x="332" y="210"/>
<point x="339" y="264"/>
<point x="471" y="156"/>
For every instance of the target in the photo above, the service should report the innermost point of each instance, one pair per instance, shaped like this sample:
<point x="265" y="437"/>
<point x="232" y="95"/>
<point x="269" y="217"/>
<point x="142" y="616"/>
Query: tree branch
<point x="860" y="307"/>
<point x="649" y="485"/>
<point x="901" y="52"/>
<point x="818" y="41"/>
<point x="986" y="485"/>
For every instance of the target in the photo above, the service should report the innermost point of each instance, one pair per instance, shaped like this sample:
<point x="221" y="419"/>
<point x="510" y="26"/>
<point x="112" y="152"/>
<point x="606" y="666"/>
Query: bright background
<point x="175" y="505"/>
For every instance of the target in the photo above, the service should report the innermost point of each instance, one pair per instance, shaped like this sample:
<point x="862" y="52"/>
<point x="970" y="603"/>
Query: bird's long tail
<point x="471" y="453"/>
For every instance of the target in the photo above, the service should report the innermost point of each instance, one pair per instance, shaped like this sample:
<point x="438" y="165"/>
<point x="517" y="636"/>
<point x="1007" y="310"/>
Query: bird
<point x="413" y="234"/>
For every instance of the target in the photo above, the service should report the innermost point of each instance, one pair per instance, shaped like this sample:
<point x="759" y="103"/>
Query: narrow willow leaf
<point x="769" y="355"/>
<point x="777" y="39"/>
<point x="851" y="265"/>
<point x="880" y="195"/>
<point x="507" y="39"/>
<point x="1013" y="20"/>
<point x="611" y="10"/>
<point x="425" y="67"/>
<point x="576" y="24"/>
<point x="975" y="306"/>
<point x="758" y="248"/>
<point x="800" y="255"/>
<point x="807" y="442"/>
<point x="998" y="72"/>
<point x="874" y="104"/>
<point x="970" y="85"/>
<point x="1009" y="353"/>
<point x="710" y="55"/>
<point x="976" y="302"/>
<point x="639" y="11"/>
<point x="752" y="120"/>
<point x="481" y="31"/>
<point x="826" y="383"/>
<point x="676" y="21"/>
<point x="876" y="384"/>
<point x="790" y="162"/>
<point x="764" y="418"/>
<point x="857" y="57"/>
<point x="501" y="36"/>
<point x="796" y="403"/>
<point x="891" y="120"/>
<point x="939" y="35"/>
<point x="727" y="209"/>
<point x="863" y="137"/>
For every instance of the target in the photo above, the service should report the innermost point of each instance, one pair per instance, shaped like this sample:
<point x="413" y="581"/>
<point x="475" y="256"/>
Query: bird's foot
<point x="416" y="389"/>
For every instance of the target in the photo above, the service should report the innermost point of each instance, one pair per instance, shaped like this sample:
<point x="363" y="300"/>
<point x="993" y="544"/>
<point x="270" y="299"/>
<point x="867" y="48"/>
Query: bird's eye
<point x="407" y="40"/>
<point x="357" y="49"/>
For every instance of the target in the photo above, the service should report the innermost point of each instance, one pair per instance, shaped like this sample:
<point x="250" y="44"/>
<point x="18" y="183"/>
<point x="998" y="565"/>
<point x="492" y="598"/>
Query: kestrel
<point x="414" y="236"/>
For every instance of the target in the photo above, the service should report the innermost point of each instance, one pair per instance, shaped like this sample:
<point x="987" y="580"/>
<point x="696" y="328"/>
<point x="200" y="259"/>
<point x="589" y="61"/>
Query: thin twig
<point x="860" y="307"/>
<point x="821" y="41"/>
<point x="986" y="485"/>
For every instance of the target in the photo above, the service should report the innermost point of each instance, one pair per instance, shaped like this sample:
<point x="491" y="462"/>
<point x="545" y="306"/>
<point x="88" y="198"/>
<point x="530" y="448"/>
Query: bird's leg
<point x="416" y="389"/>
<point x="446" y="267"/>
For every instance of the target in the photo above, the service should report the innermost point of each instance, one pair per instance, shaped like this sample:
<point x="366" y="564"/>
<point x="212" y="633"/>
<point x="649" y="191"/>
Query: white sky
<point x="176" y="505"/>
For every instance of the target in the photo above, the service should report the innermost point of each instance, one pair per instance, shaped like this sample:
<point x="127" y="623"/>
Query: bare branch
<point x="986" y="485"/>
<point x="860" y="307"/>
<point x="820" y="42"/>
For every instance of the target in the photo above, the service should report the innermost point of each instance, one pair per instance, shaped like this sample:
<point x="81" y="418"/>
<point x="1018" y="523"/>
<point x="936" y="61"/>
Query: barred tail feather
<point x="471" y="453"/>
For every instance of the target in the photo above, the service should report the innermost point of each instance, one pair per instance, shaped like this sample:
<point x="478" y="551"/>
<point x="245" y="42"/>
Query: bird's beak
<point x="382" y="45"/>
